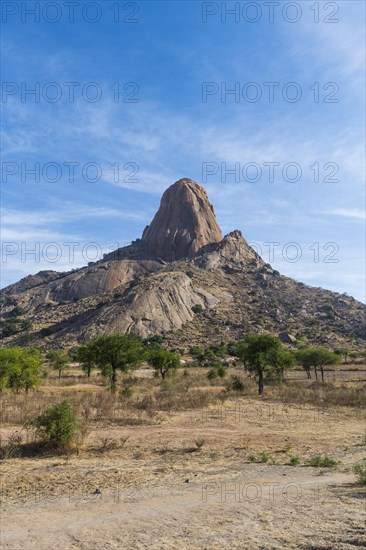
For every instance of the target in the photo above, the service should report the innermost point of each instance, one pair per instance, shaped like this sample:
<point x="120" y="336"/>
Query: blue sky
<point x="172" y="129"/>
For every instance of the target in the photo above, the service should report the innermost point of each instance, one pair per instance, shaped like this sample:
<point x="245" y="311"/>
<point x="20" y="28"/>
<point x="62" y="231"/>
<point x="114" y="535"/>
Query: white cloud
<point x="348" y="213"/>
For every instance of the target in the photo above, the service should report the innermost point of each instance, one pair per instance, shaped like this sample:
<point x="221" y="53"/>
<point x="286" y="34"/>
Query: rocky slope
<point x="183" y="280"/>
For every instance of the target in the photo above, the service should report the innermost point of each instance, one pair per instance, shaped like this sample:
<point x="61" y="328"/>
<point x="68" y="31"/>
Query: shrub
<point x="360" y="471"/>
<point x="212" y="374"/>
<point x="197" y="353"/>
<point x="9" y="327"/>
<point x="189" y="274"/>
<point x="319" y="461"/>
<point x="12" y="447"/>
<point x="57" y="426"/>
<point x="221" y="371"/>
<point x="18" y="310"/>
<point x="263" y="457"/>
<point x="294" y="460"/>
<point x="236" y="383"/>
<point x="25" y="324"/>
<point x="197" y="308"/>
<point x="127" y="392"/>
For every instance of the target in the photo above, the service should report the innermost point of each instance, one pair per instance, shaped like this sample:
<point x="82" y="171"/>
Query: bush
<point x="221" y="371"/>
<point x="189" y="274"/>
<point x="9" y="327"/>
<point x="18" y="310"/>
<point x="212" y="374"/>
<point x="360" y="471"/>
<point x="57" y="426"/>
<point x="319" y="461"/>
<point x="127" y="392"/>
<point x="294" y="460"/>
<point x="197" y="308"/>
<point x="263" y="457"/>
<point x="236" y="383"/>
<point x="25" y="324"/>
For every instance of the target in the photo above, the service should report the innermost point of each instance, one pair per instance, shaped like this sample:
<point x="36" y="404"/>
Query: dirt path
<point x="289" y="508"/>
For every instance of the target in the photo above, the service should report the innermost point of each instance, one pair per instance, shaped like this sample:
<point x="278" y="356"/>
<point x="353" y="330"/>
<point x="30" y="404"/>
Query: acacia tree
<point x="20" y="368"/>
<point x="85" y="356"/>
<point x="118" y="352"/>
<point x="318" y="358"/>
<point x="305" y="360"/>
<point x="163" y="361"/>
<point x="344" y="352"/>
<point x="264" y="356"/>
<point x="59" y="360"/>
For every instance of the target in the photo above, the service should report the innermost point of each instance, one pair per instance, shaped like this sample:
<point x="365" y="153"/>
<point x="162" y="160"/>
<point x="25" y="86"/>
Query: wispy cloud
<point x="348" y="213"/>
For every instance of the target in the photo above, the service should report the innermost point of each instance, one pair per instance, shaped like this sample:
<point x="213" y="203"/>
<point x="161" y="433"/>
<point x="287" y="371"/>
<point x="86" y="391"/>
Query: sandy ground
<point x="188" y="482"/>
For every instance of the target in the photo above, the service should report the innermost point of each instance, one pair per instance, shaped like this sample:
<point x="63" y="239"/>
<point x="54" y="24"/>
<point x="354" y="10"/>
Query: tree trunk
<point x="113" y="380"/>
<point x="322" y="371"/>
<point x="316" y="373"/>
<point x="162" y="372"/>
<point x="260" y="382"/>
<point x="59" y="374"/>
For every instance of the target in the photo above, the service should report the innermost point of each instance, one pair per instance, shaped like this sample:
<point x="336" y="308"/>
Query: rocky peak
<point x="184" y="223"/>
<point x="233" y="249"/>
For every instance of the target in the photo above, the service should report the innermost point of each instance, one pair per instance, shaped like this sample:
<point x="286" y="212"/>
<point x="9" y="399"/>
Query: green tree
<point x="264" y="357"/>
<point x="59" y="360"/>
<point x="164" y="362"/>
<point x="154" y="341"/>
<point x="344" y="352"/>
<point x="305" y="359"/>
<point x="354" y="356"/>
<point x="118" y="352"/>
<point x="86" y="358"/>
<point x="231" y="348"/>
<point x="73" y="353"/>
<point x="197" y="353"/>
<point x="20" y="368"/>
<point x="318" y="358"/>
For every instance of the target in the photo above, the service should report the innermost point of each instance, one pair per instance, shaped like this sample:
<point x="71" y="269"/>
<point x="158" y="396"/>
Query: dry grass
<point x="320" y="395"/>
<point x="149" y="396"/>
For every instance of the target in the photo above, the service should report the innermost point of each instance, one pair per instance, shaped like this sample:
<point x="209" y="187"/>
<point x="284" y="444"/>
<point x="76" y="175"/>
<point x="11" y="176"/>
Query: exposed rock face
<point x="232" y="251"/>
<point x="184" y="223"/>
<point x="162" y="304"/>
